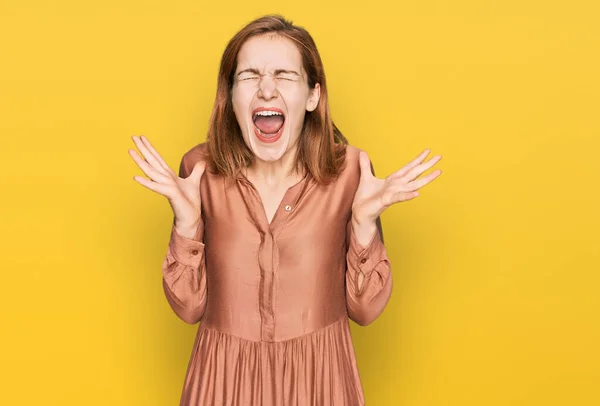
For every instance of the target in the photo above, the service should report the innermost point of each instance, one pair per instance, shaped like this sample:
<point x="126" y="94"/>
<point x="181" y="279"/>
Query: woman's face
<point x="271" y="95"/>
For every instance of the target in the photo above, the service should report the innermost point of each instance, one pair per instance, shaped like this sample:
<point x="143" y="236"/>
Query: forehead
<point x="267" y="52"/>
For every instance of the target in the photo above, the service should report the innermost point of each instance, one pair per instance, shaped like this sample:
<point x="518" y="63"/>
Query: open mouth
<point x="268" y="123"/>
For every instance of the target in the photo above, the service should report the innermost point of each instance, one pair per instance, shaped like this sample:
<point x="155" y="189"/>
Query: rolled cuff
<point x="366" y="259"/>
<point x="187" y="251"/>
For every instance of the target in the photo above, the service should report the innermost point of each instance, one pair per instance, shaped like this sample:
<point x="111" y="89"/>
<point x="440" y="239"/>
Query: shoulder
<point x="351" y="165"/>
<point x="352" y="154"/>
<point x="192" y="157"/>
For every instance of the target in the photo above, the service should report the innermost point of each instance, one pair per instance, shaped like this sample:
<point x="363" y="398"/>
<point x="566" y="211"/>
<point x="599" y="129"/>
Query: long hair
<point x="321" y="145"/>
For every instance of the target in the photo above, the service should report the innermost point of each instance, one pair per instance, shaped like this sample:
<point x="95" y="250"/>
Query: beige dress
<point x="273" y="300"/>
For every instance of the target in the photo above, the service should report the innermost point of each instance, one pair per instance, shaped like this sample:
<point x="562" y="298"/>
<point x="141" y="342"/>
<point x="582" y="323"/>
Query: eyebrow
<point x="277" y="71"/>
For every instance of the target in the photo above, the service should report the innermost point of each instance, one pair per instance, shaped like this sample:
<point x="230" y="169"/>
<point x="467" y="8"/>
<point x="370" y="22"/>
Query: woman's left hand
<point x="374" y="195"/>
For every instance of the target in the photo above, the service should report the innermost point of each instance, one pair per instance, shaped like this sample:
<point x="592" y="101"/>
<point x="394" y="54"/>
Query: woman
<point x="276" y="239"/>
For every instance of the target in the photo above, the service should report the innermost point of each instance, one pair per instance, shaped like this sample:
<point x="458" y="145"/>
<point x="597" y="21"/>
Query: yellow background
<point x="496" y="264"/>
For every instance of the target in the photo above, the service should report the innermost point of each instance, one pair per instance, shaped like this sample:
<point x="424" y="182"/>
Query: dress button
<point x="194" y="252"/>
<point x="288" y="208"/>
<point x="362" y="261"/>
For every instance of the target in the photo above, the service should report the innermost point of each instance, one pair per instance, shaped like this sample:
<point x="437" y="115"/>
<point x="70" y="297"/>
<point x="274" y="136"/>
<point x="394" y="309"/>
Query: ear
<point x="313" y="99"/>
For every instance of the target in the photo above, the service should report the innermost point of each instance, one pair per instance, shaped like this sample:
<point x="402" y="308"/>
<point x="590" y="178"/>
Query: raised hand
<point x="374" y="195"/>
<point x="183" y="194"/>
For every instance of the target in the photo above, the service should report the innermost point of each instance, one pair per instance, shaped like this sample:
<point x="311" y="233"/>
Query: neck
<point x="276" y="172"/>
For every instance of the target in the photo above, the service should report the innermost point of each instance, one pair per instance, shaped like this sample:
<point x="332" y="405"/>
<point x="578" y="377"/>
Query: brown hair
<point x="321" y="146"/>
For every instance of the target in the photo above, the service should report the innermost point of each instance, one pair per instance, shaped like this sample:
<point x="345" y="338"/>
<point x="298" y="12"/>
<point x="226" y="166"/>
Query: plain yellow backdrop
<point x="496" y="264"/>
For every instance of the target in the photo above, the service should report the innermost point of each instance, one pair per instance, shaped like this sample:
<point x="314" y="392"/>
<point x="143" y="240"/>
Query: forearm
<point x="364" y="230"/>
<point x="368" y="275"/>
<point x="184" y="276"/>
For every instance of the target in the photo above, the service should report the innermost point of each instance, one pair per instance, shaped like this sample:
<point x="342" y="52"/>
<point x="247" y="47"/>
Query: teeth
<point x="268" y="113"/>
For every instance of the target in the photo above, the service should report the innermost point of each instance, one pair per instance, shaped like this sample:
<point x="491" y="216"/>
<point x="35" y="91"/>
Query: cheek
<point x="235" y="100"/>
<point x="295" y="100"/>
<point x="240" y="105"/>
<point x="240" y="97"/>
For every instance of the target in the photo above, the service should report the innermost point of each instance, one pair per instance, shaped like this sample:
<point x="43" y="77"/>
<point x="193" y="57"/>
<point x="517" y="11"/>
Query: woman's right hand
<point x="183" y="194"/>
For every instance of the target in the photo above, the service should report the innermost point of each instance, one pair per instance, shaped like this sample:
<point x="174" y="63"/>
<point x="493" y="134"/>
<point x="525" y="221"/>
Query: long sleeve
<point x="365" y="300"/>
<point x="184" y="277"/>
<point x="184" y="270"/>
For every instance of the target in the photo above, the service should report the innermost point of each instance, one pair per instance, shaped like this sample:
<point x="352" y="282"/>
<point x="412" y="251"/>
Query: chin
<point x="269" y="152"/>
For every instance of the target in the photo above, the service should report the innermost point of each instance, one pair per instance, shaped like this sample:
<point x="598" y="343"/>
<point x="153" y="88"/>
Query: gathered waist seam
<point x="344" y="318"/>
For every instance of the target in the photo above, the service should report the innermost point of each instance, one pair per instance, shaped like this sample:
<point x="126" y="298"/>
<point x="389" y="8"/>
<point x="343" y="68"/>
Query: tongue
<point x="268" y="124"/>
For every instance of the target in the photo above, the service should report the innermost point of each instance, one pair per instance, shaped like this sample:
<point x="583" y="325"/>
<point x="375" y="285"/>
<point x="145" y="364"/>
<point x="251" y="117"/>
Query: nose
<point x="267" y="88"/>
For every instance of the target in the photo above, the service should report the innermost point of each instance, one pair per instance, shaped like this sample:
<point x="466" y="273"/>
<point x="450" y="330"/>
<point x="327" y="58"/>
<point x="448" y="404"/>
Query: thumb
<point x="198" y="171"/>
<point x="365" y="165"/>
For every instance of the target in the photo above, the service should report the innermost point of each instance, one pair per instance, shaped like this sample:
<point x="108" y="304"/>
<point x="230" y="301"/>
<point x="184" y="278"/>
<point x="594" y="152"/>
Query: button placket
<point x="268" y="255"/>
<point x="267" y="299"/>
